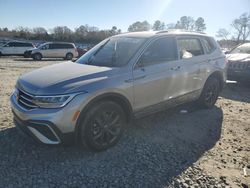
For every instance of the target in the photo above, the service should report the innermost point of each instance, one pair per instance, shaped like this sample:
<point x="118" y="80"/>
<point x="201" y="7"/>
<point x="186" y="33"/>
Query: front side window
<point x="113" y="52"/>
<point x="189" y="48"/>
<point x="161" y="50"/>
<point x="44" y="47"/>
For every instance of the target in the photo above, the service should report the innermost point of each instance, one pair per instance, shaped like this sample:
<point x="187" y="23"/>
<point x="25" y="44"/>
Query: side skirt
<point x="189" y="97"/>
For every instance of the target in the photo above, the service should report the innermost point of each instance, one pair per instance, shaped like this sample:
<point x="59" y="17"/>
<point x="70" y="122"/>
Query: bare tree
<point x="62" y="33"/>
<point x="241" y="26"/>
<point x="223" y="33"/>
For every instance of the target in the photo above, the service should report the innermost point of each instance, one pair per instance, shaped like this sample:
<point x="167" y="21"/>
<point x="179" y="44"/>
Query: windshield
<point x="112" y="52"/>
<point x="245" y="49"/>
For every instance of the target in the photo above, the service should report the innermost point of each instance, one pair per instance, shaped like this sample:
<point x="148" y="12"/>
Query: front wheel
<point x="69" y="56"/>
<point x="37" y="57"/>
<point x="210" y="93"/>
<point x="102" y="126"/>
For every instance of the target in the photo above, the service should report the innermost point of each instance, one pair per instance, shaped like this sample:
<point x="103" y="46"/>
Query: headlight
<point x="56" y="101"/>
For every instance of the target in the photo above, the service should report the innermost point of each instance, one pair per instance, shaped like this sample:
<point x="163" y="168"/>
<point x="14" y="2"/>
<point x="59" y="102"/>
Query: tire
<point x="0" y="54"/>
<point x="209" y="93"/>
<point x="37" y="57"/>
<point x="102" y="126"/>
<point x="69" y="56"/>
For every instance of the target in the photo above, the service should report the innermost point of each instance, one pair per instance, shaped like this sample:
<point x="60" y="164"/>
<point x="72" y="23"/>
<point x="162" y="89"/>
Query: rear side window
<point x="11" y="44"/>
<point x="161" y="50"/>
<point x="54" y="46"/>
<point x="23" y="44"/>
<point x="18" y="44"/>
<point x="209" y="45"/>
<point x="67" y="46"/>
<point x="27" y="45"/>
<point x="189" y="48"/>
<point x="61" y="46"/>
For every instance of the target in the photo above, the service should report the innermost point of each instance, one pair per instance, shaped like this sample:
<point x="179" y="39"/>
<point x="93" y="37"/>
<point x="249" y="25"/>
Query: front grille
<point x="238" y="65"/>
<point x="25" y="100"/>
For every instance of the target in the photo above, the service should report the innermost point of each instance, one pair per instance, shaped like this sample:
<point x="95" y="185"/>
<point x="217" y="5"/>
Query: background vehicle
<point x="15" y="48"/>
<point x="239" y="64"/>
<point x="133" y="74"/>
<point x="53" y="50"/>
<point x="81" y="51"/>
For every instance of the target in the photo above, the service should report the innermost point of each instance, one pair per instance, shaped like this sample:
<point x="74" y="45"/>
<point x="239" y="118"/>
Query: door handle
<point x="175" y="68"/>
<point x="136" y="78"/>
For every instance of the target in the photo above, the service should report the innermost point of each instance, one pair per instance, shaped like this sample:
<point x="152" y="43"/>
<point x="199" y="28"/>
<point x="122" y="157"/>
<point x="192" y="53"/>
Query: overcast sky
<point x="121" y="13"/>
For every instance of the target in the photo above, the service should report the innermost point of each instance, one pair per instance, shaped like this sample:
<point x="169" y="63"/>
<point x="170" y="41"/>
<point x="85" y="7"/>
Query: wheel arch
<point x="218" y="75"/>
<point x="114" y="97"/>
<point x="38" y="53"/>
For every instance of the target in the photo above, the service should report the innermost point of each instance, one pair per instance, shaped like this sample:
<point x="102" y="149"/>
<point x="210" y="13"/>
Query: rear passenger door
<point x="21" y="47"/>
<point x="191" y="58"/>
<point x="55" y="50"/>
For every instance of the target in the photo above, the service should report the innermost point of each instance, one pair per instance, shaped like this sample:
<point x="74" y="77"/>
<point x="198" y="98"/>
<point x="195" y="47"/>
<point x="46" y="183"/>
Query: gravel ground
<point x="202" y="148"/>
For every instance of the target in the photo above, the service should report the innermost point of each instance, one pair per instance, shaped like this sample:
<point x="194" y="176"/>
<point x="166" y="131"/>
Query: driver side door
<point x="155" y="75"/>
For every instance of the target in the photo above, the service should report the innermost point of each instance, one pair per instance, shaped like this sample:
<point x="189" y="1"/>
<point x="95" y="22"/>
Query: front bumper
<point x="43" y="131"/>
<point x="238" y="75"/>
<point x="48" y="126"/>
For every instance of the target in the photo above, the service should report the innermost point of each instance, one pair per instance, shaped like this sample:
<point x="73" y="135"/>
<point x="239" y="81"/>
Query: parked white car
<point x="53" y="50"/>
<point x="15" y="48"/>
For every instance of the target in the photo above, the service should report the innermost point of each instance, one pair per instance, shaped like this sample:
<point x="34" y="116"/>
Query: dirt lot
<point x="203" y="148"/>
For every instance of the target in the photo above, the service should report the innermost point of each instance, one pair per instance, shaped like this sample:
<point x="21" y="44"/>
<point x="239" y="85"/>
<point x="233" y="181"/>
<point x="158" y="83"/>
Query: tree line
<point x="84" y="33"/>
<point x="239" y="30"/>
<point x="91" y="34"/>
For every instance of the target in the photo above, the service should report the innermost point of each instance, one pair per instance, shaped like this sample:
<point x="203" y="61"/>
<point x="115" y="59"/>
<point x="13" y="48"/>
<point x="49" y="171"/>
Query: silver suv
<point x="129" y="75"/>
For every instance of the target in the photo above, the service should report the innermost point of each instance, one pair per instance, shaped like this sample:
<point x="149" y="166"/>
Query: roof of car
<point x="148" y="34"/>
<point x="58" y="43"/>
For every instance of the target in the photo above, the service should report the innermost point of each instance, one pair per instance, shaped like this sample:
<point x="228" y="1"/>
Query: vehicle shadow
<point x="151" y="153"/>
<point x="237" y="92"/>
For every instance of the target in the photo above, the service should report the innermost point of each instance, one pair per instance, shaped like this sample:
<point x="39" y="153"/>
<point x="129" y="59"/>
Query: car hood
<point x="62" y="78"/>
<point x="31" y="49"/>
<point x="238" y="57"/>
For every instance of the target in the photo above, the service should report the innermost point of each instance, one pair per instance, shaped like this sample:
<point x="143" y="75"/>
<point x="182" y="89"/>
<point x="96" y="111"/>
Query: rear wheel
<point x="210" y="93"/>
<point x="103" y="126"/>
<point x="37" y="57"/>
<point x="69" y="56"/>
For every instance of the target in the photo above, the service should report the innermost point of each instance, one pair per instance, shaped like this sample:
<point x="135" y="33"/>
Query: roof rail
<point x="178" y="30"/>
